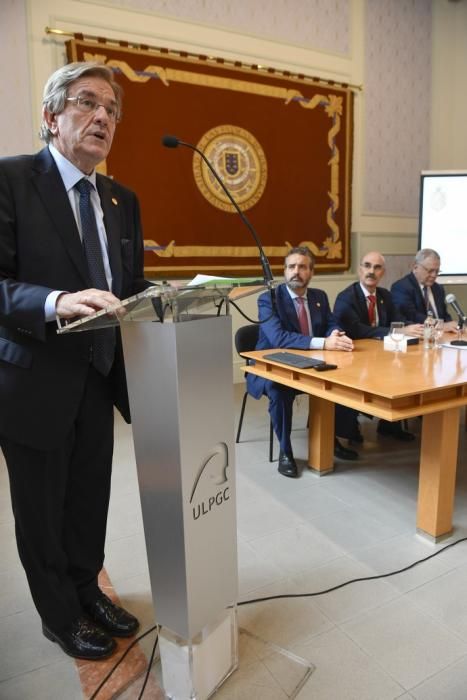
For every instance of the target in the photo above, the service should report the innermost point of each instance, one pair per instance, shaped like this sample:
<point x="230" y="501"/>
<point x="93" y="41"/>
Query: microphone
<point x="451" y="299"/>
<point x="170" y="141"/>
<point x="174" y="142"/>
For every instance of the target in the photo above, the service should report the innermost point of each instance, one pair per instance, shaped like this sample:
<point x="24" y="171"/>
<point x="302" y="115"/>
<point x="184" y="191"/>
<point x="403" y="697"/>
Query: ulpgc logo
<point x="210" y="487"/>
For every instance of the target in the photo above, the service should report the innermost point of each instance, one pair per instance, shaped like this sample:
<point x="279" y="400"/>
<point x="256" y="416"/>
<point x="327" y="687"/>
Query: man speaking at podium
<point x="70" y="244"/>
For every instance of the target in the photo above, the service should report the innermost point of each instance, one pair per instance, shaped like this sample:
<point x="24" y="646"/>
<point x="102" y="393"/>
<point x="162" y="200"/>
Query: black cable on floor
<point x="114" y="668"/>
<point x="148" y="671"/>
<point x="272" y="597"/>
<point x="354" y="580"/>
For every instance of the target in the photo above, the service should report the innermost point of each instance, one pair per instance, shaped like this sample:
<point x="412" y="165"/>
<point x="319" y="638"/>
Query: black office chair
<point x="246" y="339"/>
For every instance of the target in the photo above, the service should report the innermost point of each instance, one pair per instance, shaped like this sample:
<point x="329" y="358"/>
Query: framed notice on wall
<point x="282" y="145"/>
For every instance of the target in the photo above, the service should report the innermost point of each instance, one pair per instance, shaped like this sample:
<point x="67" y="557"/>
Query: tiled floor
<point x="400" y="637"/>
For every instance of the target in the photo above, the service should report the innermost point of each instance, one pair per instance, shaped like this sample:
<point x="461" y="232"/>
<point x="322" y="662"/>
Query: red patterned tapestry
<point x="281" y="143"/>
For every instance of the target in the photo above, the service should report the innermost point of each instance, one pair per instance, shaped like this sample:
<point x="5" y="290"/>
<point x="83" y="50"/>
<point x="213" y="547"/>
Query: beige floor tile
<point x="445" y="599"/>
<point x="297" y="549"/>
<point x="450" y="684"/>
<point x="400" y="552"/>
<point x="343" y="671"/>
<point x="23" y="648"/>
<point x="267" y="516"/>
<point x="406" y="642"/>
<point x="285" y="621"/>
<point x="54" y="681"/>
<point x="349" y="601"/>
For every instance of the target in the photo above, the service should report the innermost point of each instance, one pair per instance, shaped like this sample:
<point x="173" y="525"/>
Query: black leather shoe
<point x="395" y="431"/>
<point x="287" y="465"/>
<point x="342" y="452"/>
<point x="114" y="619"/>
<point x="357" y="438"/>
<point x="83" y="640"/>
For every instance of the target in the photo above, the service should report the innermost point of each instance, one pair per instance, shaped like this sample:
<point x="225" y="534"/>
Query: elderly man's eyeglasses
<point x="431" y="271"/>
<point x="88" y="105"/>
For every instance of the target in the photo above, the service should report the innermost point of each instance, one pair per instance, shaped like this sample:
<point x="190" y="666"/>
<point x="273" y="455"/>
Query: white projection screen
<point x="443" y="220"/>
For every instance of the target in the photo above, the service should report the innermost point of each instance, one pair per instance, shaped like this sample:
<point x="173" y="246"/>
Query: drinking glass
<point x="439" y="330"/>
<point x="397" y="333"/>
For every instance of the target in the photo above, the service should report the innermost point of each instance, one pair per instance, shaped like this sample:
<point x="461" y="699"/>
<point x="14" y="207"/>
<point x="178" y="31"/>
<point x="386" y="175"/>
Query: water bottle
<point x="429" y="331"/>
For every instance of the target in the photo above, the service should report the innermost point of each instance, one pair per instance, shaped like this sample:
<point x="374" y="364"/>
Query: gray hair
<point x="425" y="253"/>
<point x="56" y="89"/>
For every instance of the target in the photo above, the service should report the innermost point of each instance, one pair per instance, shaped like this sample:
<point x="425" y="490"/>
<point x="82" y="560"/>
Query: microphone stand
<point x="460" y="327"/>
<point x="173" y="142"/>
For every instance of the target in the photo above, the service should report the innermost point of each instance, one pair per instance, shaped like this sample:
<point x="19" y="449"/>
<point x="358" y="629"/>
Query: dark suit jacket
<point x="408" y="298"/>
<point x="42" y="374"/>
<point x="351" y="312"/>
<point x="282" y="330"/>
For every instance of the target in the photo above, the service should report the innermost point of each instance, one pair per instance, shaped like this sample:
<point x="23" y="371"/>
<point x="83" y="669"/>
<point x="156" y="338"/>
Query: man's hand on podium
<point x="85" y="303"/>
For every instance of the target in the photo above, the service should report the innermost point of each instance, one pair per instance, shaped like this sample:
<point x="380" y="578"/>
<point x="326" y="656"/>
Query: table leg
<point x="437" y="481"/>
<point x="321" y="435"/>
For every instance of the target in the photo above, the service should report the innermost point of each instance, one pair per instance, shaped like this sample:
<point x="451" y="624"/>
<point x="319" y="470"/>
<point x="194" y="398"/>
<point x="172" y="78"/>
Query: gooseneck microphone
<point x="451" y="299"/>
<point x="174" y="142"/>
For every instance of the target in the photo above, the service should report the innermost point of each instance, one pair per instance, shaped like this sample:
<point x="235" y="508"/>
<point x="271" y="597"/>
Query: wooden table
<point x="393" y="386"/>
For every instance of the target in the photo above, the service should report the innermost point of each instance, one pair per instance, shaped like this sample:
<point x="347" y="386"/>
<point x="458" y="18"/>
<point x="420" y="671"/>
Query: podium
<point x="178" y="359"/>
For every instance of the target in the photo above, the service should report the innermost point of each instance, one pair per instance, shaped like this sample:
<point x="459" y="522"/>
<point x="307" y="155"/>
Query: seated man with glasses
<point x="365" y="310"/>
<point x="418" y="292"/>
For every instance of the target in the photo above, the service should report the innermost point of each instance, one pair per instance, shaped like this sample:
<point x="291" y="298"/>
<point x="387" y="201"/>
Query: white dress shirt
<point x="70" y="175"/>
<point x="316" y="343"/>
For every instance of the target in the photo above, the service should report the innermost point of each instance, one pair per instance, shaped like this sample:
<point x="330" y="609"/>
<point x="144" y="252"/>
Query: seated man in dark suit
<point x="365" y="310"/>
<point x="302" y="319"/>
<point x="418" y="292"/>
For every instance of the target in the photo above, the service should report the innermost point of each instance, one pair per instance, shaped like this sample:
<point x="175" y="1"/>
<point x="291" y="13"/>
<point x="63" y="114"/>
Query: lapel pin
<point x="114" y="201"/>
<point x="318" y="304"/>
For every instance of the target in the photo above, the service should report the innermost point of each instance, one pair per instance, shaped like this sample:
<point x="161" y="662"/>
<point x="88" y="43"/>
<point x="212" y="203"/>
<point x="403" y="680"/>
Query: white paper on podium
<point x="204" y="279"/>
<point x="212" y="280"/>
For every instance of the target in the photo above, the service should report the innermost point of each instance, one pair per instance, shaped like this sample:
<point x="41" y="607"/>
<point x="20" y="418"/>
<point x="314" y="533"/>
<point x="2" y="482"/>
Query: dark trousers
<point x="60" y="502"/>
<point x="346" y="422"/>
<point x="281" y="400"/>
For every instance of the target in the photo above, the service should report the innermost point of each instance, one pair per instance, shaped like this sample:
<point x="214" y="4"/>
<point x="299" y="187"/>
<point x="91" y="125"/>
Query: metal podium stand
<point x="178" y="361"/>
